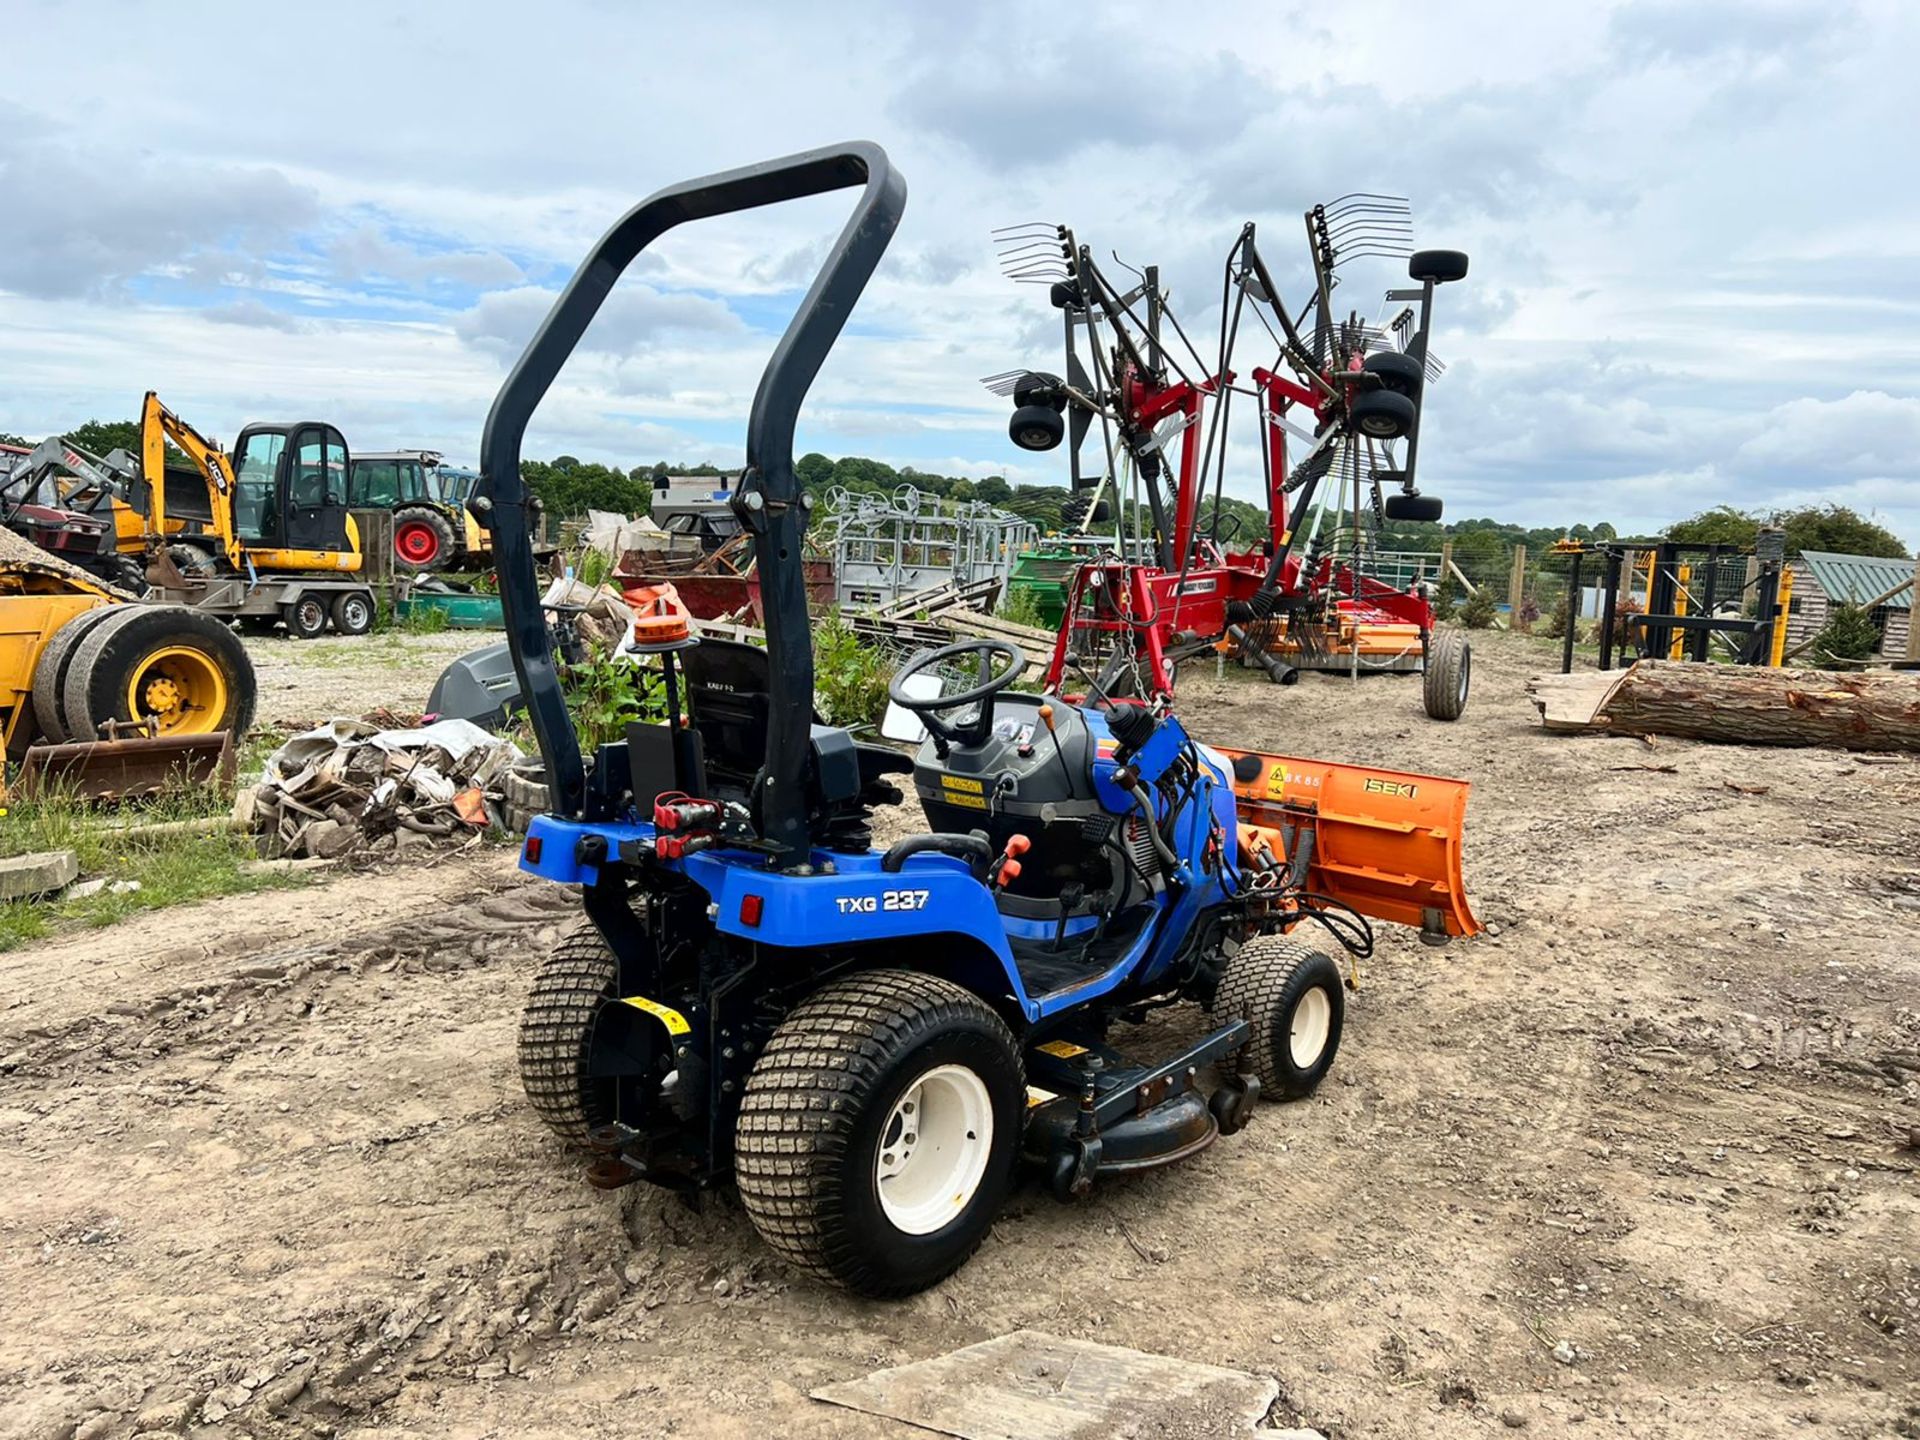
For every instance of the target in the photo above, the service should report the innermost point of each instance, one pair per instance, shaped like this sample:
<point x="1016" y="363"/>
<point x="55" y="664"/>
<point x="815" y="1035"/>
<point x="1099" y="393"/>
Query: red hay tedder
<point x="1347" y="391"/>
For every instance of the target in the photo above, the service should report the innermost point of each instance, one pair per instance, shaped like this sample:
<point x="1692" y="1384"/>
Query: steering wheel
<point x="974" y="731"/>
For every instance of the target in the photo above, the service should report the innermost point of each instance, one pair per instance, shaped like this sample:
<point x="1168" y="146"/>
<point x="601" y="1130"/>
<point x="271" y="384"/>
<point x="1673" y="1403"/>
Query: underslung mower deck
<point x="869" y="1043"/>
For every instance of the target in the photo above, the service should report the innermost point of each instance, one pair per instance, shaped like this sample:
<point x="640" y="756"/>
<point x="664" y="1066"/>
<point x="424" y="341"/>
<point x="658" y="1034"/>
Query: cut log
<point x="1738" y="705"/>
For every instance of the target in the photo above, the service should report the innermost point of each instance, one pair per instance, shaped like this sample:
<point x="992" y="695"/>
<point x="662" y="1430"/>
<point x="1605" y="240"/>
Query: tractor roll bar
<point x="767" y="500"/>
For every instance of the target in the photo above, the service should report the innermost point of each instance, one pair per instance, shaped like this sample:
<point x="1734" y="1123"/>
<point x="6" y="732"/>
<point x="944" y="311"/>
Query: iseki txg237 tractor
<point x="871" y="1045"/>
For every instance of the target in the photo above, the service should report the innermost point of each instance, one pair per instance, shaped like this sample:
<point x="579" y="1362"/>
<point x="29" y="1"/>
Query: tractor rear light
<point x="750" y="908"/>
<point x="532" y="853"/>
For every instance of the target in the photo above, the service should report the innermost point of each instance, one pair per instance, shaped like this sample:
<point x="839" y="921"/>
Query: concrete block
<point x="25" y="877"/>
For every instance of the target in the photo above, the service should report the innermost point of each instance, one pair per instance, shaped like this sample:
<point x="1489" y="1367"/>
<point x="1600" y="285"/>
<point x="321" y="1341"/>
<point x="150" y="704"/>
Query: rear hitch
<point x="615" y="1167"/>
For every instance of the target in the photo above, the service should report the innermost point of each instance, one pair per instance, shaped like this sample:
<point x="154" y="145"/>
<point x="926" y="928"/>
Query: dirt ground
<point x="270" y="1170"/>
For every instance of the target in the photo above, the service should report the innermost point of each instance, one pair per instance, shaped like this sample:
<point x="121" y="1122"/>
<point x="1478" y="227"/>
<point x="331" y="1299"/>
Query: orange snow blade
<point x="1384" y="841"/>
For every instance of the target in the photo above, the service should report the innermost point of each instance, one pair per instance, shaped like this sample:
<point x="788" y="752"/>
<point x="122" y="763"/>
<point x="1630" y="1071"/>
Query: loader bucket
<point x="125" y="769"/>
<point x="1385" y="842"/>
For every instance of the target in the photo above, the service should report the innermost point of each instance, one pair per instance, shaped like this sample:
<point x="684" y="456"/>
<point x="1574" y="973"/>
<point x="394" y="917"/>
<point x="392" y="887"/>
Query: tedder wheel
<point x="185" y="670"/>
<point x="1382" y="415"/>
<point x="556" y="1035"/>
<point x="879" y="1132"/>
<point x="50" y="672"/>
<point x="306" y="618"/>
<point x="422" y="538"/>
<point x="1443" y="689"/>
<point x="1398" y="372"/>
<point x="352" y="612"/>
<point x="1290" y="993"/>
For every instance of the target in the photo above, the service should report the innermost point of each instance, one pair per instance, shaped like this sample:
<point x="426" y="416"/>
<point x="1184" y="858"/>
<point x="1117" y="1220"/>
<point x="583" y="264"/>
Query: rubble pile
<point x="348" y="786"/>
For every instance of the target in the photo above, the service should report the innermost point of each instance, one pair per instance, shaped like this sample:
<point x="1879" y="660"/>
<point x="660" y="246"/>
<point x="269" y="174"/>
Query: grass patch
<point x="171" y="869"/>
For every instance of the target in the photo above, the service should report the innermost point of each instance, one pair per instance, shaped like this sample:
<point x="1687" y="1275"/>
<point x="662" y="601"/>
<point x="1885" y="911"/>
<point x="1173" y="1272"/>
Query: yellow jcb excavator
<point x="278" y="543"/>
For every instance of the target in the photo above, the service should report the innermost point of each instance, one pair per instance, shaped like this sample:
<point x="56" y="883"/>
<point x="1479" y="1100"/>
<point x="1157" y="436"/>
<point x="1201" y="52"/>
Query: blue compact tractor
<point x="870" y="1045"/>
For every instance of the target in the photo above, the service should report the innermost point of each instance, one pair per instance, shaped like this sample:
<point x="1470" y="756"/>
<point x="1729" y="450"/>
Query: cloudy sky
<point x="1694" y="230"/>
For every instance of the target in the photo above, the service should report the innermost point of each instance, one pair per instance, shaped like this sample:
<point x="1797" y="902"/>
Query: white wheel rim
<point x="1307" y="1034"/>
<point x="933" y="1150"/>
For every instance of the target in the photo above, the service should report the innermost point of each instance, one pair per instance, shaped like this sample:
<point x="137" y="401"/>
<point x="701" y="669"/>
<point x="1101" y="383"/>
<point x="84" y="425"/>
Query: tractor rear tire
<point x="193" y="562"/>
<point x="1449" y="673"/>
<point x="50" y="673"/>
<point x="1291" y="995"/>
<point x="187" y="669"/>
<point x="556" y="1035"/>
<point x="352" y="612"/>
<point x="879" y="1131"/>
<point x="305" y="618"/>
<point x="130" y="575"/>
<point x="422" y="538"/>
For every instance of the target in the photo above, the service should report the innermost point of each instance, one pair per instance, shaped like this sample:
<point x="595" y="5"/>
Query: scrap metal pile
<point x="350" y="786"/>
<point x="1346" y="388"/>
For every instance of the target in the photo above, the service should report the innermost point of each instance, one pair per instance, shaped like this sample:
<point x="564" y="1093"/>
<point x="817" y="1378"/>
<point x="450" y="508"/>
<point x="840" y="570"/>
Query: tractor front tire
<point x="422" y="538"/>
<point x="1291" y="995"/>
<point x="556" y="1035"/>
<point x="879" y="1131"/>
<point x="1449" y="673"/>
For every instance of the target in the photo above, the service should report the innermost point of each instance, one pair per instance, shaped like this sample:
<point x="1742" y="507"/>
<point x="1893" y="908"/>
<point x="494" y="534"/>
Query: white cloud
<point x="1691" y="253"/>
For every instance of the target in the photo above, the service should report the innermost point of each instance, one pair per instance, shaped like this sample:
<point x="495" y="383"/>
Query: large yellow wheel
<point x="184" y="671"/>
<point x="183" y="688"/>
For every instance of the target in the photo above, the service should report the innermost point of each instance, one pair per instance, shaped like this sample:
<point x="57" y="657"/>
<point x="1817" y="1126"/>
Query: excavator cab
<point x="290" y="488"/>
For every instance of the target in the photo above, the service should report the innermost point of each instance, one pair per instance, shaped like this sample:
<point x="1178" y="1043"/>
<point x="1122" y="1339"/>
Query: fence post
<point x="1516" y="590"/>
<point x="1913" y="613"/>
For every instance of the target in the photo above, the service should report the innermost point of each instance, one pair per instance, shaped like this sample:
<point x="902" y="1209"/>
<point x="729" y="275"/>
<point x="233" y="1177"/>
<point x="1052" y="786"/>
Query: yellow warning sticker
<point x="675" y="1022"/>
<point x="1061" y="1049"/>
<point x="961" y="782"/>
<point x="1037" y="1096"/>
<point x="1276" y="782"/>
<point x="968" y="802"/>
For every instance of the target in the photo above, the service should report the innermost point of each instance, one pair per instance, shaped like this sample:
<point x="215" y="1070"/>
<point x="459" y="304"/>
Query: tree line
<point x="568" y="485"/>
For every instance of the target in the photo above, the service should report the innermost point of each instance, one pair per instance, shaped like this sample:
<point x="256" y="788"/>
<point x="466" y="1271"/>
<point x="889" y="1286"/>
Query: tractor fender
<point x="848" y="900"/>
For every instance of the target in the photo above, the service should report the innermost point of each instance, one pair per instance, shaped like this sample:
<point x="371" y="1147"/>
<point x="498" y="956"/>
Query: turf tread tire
<point x="556" y="1033"/>
<point x="1263" y="983"/>
<point x="821" y="1072"/>
<point x="1448" y="675"/>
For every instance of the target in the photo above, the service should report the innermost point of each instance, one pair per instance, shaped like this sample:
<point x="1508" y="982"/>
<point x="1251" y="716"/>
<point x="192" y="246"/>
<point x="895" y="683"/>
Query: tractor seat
<point x="728" y="692"/>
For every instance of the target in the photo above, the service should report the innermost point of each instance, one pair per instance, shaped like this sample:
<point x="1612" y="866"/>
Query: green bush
<point x="1850" y="634"/>
<point x="1478" y="611"/>
<point x="1022" y="607"/>
<point x="849" y="676"/>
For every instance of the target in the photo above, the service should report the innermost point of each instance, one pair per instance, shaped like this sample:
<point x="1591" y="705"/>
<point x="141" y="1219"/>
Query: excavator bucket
<point x="126" y="768"/>
<point x="1383" y="841"/>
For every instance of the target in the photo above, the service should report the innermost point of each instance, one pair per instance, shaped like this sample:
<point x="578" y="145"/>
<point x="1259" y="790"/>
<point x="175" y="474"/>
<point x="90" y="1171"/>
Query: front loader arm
<point x="158" y="425"/>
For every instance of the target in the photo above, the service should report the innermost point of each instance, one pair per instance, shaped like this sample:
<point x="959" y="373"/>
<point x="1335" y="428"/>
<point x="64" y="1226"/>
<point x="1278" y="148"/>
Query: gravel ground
<point x="1637" y="1157"/>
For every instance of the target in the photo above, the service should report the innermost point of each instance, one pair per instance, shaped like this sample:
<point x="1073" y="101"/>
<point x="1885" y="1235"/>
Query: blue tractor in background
<point x="870" y="1044"/>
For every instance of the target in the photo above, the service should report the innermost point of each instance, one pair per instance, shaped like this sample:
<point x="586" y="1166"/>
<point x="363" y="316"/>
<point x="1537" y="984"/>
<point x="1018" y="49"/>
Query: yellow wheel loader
<point x="107" y="697"/>
<point x="278" y="543"/>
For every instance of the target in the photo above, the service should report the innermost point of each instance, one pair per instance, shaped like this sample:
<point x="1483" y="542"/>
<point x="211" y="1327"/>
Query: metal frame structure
<point x="886" y="546"/>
